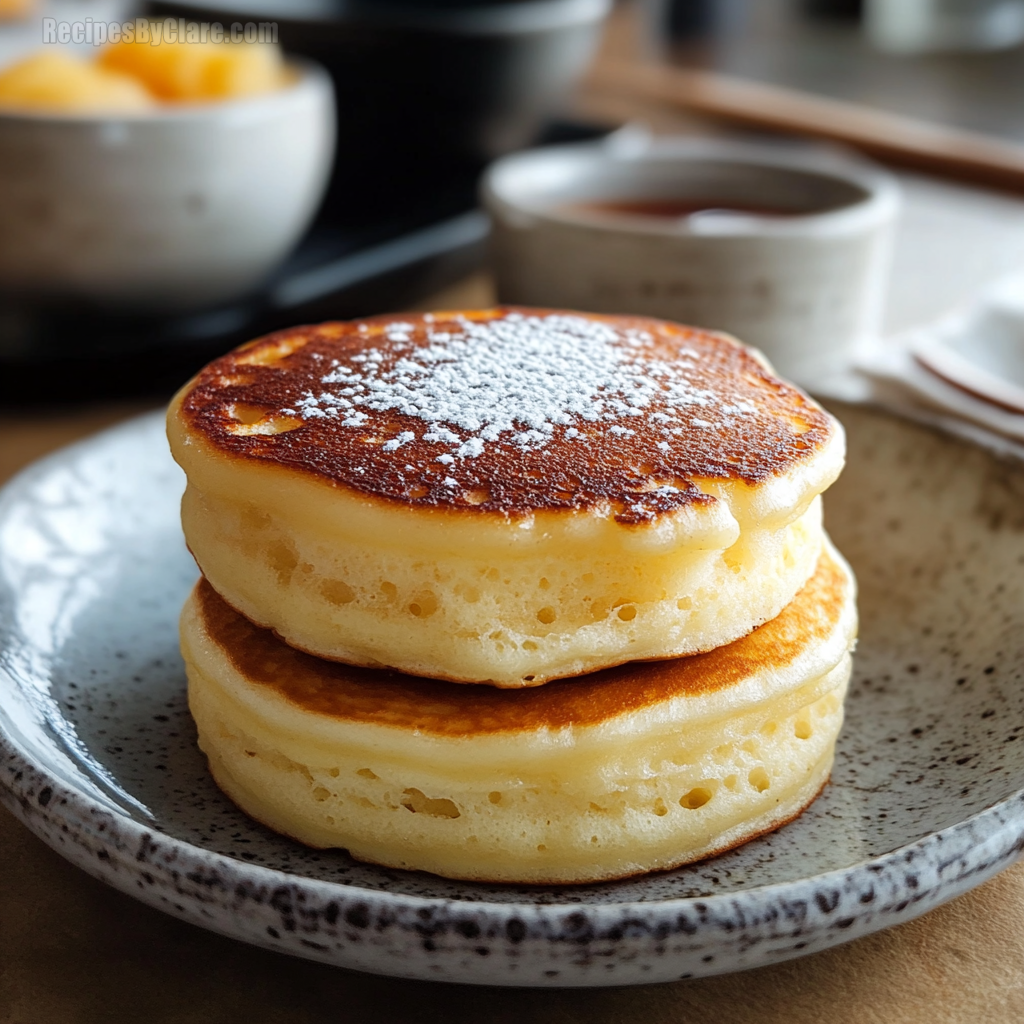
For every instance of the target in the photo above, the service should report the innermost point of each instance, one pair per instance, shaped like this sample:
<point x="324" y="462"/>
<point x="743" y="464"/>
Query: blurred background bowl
<point x="787" y="248"/>
<point x="425" y="89"/>
<point x="179" y="209"/>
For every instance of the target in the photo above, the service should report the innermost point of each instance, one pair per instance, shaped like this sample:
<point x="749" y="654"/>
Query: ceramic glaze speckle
<point x="98" y="755"/>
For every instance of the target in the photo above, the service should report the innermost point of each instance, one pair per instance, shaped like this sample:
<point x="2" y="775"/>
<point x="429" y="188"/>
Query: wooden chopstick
<point x="891" y="138"/>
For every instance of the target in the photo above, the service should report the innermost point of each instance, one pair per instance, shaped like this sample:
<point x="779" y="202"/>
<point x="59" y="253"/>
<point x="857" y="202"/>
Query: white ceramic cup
<point x="182" y="208"/>
<point x="806" y="288"/>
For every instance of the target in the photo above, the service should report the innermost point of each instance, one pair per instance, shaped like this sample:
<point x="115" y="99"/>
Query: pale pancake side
<point x="432" y="706"/>
<point x="329" y="703"/>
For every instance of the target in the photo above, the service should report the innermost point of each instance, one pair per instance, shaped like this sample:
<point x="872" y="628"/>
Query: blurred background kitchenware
<point x="429" y="91"/>
<point x="922" y="26"/>
<point x="402" y="218"/>
<point x="175" y="210"/>
<point x="785" y="248"/>
<point x="812" y="68"/>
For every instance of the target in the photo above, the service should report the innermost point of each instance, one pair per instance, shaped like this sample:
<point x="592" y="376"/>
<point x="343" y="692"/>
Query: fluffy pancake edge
<point x="343" y="704"/>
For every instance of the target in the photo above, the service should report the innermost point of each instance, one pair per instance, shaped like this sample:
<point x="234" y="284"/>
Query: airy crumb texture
<point x="806" y="640"/>
<point x="514" y="616"/>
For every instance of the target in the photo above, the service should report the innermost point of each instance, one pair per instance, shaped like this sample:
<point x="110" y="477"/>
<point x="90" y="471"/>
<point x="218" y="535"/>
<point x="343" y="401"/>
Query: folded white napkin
<point x="980" y="347"/>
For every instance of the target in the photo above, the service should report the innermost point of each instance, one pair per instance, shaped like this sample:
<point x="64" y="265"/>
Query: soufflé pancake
<point x="502" y="496"/>
<point x="512" y="595"/>
<point x="632" y="769"/>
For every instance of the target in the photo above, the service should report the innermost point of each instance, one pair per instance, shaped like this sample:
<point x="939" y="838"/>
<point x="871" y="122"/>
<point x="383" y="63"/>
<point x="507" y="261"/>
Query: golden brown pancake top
<point x="386" y="698"/>
<point x="508" y="410"/>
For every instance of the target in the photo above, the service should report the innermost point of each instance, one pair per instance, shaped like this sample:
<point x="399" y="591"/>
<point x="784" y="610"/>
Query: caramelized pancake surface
<point x="509" y="411"/>
<point x="445" y="709"/>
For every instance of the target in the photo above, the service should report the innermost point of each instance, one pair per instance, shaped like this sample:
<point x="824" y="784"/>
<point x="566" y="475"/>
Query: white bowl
<point x="183" y="208"/>
<point x="804" y="289"/>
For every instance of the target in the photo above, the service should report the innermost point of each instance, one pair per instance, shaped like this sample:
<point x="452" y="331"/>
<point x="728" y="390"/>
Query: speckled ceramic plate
<point x="99" y="757"/>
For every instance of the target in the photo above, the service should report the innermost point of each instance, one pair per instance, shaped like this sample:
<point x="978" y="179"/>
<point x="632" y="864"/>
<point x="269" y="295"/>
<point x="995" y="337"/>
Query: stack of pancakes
<point x="512" y="595"/>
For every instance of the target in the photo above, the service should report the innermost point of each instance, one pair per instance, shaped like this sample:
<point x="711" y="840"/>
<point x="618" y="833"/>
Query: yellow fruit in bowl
<point x="198" y="72"/>
<point x="58" y="83"/>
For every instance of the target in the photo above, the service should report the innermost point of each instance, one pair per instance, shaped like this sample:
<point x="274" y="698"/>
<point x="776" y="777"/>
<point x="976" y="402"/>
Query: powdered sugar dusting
<point x="514" y="380"/>
<point x="510" y="411"/>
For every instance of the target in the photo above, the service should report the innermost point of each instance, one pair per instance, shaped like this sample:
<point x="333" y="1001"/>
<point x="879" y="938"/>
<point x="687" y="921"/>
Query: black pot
<point x="426" y="92"/>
